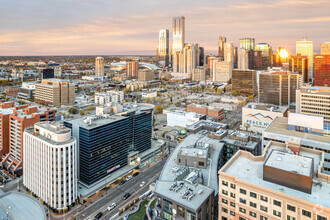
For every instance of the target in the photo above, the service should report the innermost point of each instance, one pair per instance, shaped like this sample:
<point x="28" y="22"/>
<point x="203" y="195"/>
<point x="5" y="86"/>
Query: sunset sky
<point x="110" y="27"/>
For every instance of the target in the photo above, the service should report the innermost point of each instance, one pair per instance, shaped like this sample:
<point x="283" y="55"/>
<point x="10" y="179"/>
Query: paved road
<point x="116" y="193"/>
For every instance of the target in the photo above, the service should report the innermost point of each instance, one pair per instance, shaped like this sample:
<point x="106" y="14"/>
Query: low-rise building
<point x="50" y="164"/>
<point x="257" y="116"/>
<point x="286" y="182"/>
<point x="198" y="74"/>
<point x="109" y="96"/>
<point x="217" y="113"/>
<point x="183" y="119"/>
<point x="146" y="75"/>
<point x="27" y="91"/>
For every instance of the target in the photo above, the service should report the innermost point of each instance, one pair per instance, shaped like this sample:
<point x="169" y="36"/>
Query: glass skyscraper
<point x="247" y="43"/>
<point x="178" y="31"/>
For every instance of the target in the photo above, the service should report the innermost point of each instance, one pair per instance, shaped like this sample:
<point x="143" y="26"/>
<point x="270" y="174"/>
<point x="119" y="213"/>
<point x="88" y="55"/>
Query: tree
<point x="148" y="100"/>
<point x="250" y="97"/>
<point x="158" y="109"/>
<point x="73" y="111"/>
<point x="90" y="108"/>
<point x="235" y="93"/>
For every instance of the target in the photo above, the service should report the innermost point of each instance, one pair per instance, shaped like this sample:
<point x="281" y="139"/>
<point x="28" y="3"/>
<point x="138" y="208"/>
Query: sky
<point x="130" y="27"/>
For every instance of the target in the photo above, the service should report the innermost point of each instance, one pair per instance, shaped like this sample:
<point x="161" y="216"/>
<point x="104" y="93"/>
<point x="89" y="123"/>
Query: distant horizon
<point x="64" y="28"/>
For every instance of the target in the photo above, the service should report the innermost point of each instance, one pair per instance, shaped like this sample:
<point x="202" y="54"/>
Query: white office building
<point x="183" y="119"/>
<point x="50" y="164"/>
<point x="109" y="96"/>
<point x="222" y="71"/>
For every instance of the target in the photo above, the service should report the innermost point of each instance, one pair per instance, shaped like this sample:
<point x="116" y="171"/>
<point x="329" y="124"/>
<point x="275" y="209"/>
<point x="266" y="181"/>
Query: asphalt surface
<point x="116" y="193"/>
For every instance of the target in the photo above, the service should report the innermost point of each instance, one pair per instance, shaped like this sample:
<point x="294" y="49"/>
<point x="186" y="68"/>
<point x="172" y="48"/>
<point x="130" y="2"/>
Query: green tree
<point x="73" y="111"/>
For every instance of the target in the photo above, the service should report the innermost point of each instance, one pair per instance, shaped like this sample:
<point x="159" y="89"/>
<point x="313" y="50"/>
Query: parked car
<point x="112" y="206"/>
<point x="126" y="196"/>
<point x="122" y="182"/>
<point x="99" y="215"/>
<point x="142" y="184"/>
<point x="135" y="174"/>
<point x="129" y="178"/>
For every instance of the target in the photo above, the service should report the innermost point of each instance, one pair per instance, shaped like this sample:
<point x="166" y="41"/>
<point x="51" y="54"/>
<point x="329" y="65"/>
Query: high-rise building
<point x="198" y="74"/>
<point x="178" y="31"/>
<point x="223" y="71"/>
<point x="247" y="43"/>
<point x="177" y="60"/>
<point x="99" y="66"/>
<point x="47" y="74"/>
<point x="146" y="75"/>
<point x="255" y="59"/>
<point x="305" y="48"/>
<point x="14" y="120"/>
<point x="132" y="68"/>
<point x="283" y="183"/>
<point x="229" y="52"/>
<point x="50" y="164"/>
<point x="278" y="88"/>
<point x="299" y="64"/>
<point x="243" y="59"/>
<point x="267" y="54"/>
<point x="312" y="100"/>
<point x="201" y="56"/>
<point x="244" y="81"/>
<point x="55" y="92"/>
<point x="163" y="48"/>
<point x="210" y="65"/>
<point x="222" y="42"/>
<point x="235" y="62"/>
<point x="322" y="70"/>
<point x="325" y="48"/>
<point x="190" y="58"/>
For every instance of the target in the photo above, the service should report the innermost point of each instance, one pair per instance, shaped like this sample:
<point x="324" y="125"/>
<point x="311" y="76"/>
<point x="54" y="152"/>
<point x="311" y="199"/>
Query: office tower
<point x="55" y="92"/>
<point x="312" y="100"/>
<point x="190" y="58"/>
<point x="113" y="137"/>
<point x="243" y="59"/>
<point x="222" y="42"/>
<point x="280" y="184"/>
<point x="229" y="52"/>
<point x="178" y="31"/>
<point x="177" y="61"/>
<point x="99" y="66"/>
<point x="235" y="62"/>
<point x="201" y="56"/>
<point x="255" y="60"/>
<point x="14" y="119"/>
<point x="247" y="43"/>
<point x="245" y="81"/>
<point x="267" y="54"/>
<point x="278" y="88"/>
<point x="50" y="164"/>
<point x="210" y="65"/>
<point x="299" y="64"/>
<point x="47" y="74"/>
<point x="305" y="48"/>
<point x="146" y="75"/>
<point x="322" y="70"/>
<point x="132" y="68"/>
<point x="163" y="48"/>
<point x="325" y="48"/>
<point x="223" y="71"/>
<point x="280" y="57"/>
<point x="198" y="74"/>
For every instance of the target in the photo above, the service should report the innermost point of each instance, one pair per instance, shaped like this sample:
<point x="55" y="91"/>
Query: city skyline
<point x="102" y="27"/>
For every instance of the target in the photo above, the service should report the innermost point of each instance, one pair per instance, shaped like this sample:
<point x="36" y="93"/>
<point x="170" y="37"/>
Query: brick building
<point x="322" y="70"/>
<point x="207" y="110"/>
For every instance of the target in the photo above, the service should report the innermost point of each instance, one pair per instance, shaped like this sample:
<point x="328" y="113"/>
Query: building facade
<point x="163" y="48"/>
<point x="267" y="54"/>
<point x="245" y="81"/>
<point x="198" y="74"/>
<point x="305" y="48"/>
<point x="183" y="119"/>
<point x="50" y="164"/>
<point x="222" y="71"/>
<point x="221" y="45"/>
<point x="247" y="43"/>
<point x="299" y="64"/>
<point x="325" y="48"/>
<point x="132" y="68"/>
<point x="99" y="66"/>
<point x="146" y="75"/>
<point x="178" y="31"/>
<point x="229" y="52"/>
<point x="207" y="110"/>
<point x="243" y="59"/>
<point x="322" y="70"/>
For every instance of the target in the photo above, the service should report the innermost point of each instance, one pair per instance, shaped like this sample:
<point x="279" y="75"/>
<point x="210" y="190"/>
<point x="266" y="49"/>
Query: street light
<point x="7" y="212"/>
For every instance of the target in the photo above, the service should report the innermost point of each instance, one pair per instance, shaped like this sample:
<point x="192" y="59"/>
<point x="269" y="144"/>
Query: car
<point x="122" y="182"/>
<point x="112" y="206"/>
<point x="128" y="178"/>
<point x="126" y="196"/>
<point x="142" y="184"/>
<point x="99" y="215"/>
<point x="135" y="174"/>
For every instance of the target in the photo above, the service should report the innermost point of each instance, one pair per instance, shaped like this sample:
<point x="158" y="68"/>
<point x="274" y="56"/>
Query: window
<point x="232" y="213"/>
<point x="225" y="210"/>
<point x="243" y="191"/>
<point x="291" y="208"/>
<point x="254" y="205"/>
<point x="241" y="218"/>
<point x="242" y="200"/>
<point x="253" y="214"/>
<point x="263" y="208"/>
<point x="167" y="206"/>
<point x="321" y="218"/>
<point x="225" y="192"/>
<point x="264" y="198"/>
<point x="201" y="163"/>
<point x="232" y="204"/>
<point x="277" y="203"/>
<point x="252" y="194"/>
<point x="232" y="186"/>
<point x="277" y="213"/>
<point x="225" y="201"/>
<point x="181" y="211"/>
<point x="223" y="218"/>
<point x="290" y="218"/>
<point x="225" y="183"/>
<point x="191" y="215"/>
<point x="232" y="195"/>
<point x="242" y="210"/>
<point x="262" y="217"/>
<point x="306" y="213"/>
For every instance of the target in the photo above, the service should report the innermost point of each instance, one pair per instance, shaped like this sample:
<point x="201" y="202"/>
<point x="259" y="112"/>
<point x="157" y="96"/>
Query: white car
<point x="142" y="184"/>
<point x="112" y="206"/>
<point x="129" y="178"/>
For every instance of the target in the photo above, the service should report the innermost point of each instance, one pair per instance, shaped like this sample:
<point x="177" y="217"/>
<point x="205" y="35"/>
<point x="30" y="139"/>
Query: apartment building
<point x="286" y="182"/>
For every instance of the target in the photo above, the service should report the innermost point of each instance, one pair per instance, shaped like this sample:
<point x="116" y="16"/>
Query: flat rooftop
<point x="280" y="126"/>
<point x="252" y="172"/>
<point x="91" y="122"/>
<point x="30" y="130"/>
<point x="266" y="107"/>
<point x="55" y="127"/>
<point x="210" y="124"/>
